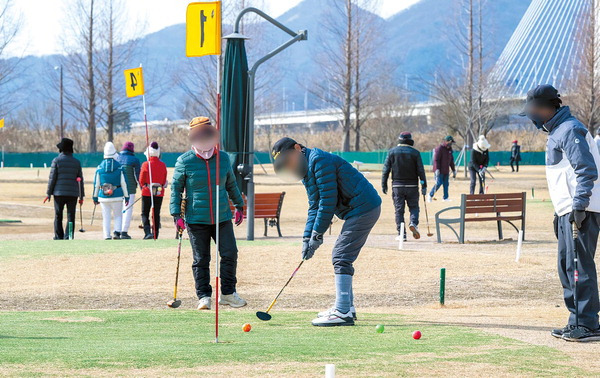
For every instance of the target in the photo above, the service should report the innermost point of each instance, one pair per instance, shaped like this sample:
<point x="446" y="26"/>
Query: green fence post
<point x="442" y="285"/>
<point x="70" y="230"/>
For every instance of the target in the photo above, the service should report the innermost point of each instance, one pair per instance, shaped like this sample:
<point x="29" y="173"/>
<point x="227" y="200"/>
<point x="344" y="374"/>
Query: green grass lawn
<point x="74" y="341"/>
<point x="41" y="248"/>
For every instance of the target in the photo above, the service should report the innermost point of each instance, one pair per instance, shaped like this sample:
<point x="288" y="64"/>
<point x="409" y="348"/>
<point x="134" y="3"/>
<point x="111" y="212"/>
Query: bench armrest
<point x="437" y="215"/>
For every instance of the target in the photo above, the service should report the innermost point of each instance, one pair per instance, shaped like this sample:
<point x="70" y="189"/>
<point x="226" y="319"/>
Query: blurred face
<point x="291" y="164"/>
<point x="539" y="115"/>
<point x="204" y="139"/>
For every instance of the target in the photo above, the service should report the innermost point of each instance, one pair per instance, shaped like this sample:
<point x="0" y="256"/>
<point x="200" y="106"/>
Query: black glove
<point x="315" y="241"/>
<point x="578" y="217"/>
<point x="424" y="190"/>
<point x="555" y="222"/>
<point x="384" y="187"/>
<point x="307" y="252"/>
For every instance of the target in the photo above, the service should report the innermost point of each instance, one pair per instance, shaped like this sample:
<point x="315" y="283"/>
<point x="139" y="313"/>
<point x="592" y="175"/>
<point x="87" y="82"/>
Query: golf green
<point x="118" y="341"/>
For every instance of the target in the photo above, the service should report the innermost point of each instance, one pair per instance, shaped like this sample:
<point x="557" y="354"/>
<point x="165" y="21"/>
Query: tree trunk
<point x="110" y="121"/>
<point x="92" y="144"/>
<point x="357" y="102"/>
<point x="347" y="123"/>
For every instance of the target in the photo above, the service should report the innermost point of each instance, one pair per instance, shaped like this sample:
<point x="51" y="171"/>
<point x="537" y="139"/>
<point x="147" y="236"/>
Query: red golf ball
<point x="246" y="327"/>
<point x="416" y="335"/>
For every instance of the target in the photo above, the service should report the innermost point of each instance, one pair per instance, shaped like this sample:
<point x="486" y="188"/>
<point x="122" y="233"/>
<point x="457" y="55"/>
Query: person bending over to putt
<point x="405" y="163"/>
<point x="572" y="162"/>
<point x="196" y="172"/>
<point x="334" y="187"/>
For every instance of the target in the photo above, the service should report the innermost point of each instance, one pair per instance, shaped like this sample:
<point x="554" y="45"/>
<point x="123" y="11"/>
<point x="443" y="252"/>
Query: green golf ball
<point x="379" y="328"/>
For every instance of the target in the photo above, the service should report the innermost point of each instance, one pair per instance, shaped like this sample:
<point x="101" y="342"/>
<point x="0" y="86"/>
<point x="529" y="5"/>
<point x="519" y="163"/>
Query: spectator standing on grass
<point x="131" y="168"/>
<point x="155" y="189"/>
<point x="110" y="192"/>
<point x="406" y="166"/>
<point x="515" y="155"/>
<point x="334" y="187"/>
<point x="443" y="163"/>
<point x="195" y="173"/>
<point x="572" y="162"/>
<point x="64" y="185"/>
<point x="480" y="159"/>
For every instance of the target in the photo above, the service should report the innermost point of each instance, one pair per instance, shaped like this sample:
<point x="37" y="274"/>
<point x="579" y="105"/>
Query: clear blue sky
<point x="43" y="19"/>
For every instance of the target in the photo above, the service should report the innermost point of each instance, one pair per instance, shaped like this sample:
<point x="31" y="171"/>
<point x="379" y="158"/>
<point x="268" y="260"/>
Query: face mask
<point x="204" y="154"/>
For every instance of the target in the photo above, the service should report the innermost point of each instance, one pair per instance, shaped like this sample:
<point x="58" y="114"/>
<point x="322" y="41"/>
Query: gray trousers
<point x="355" y="232"/>
<point x="587" y="286"/>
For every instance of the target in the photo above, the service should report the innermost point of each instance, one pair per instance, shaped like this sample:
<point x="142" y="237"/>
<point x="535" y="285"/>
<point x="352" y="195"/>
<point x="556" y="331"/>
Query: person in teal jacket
<point x="194" y="180"/>
<point x="110" y="191"/>
<point x="334" y="187"/>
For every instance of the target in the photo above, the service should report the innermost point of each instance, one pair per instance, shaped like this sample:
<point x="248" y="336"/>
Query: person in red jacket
<point x="443" y="162"/>
<point x="155" y="189"/>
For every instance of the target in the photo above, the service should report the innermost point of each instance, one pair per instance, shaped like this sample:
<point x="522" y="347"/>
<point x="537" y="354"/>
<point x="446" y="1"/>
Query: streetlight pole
<point x="62" y="124"/>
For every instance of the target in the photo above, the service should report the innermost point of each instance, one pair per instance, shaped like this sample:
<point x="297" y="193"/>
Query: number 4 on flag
<point x="134" y="82"/>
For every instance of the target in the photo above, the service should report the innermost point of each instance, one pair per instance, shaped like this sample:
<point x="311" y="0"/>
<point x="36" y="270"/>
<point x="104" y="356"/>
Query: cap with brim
<point x="449" y="138"/>
<point x="541" y="96"/>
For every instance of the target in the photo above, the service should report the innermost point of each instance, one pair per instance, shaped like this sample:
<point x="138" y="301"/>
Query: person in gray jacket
<point x="572" y="161"/>
<point x="65" y="184"/>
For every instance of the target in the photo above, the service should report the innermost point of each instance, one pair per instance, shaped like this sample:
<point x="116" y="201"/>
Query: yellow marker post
<point x="203" y="29"/>
<point x="1" y="123"/>
<point x="134" y="82"/>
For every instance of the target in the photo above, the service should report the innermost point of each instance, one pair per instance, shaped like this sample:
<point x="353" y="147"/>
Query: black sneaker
<point x="149" y="237"/>
<point x="125" y="235"/>
<point x="116" y="235"/>
<point x="582" y="334"/>
<point x="558" y="333"/>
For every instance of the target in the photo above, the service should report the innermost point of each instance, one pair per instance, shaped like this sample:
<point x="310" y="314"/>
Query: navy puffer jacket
<point x="334" y="187"/>
<point x="63" y="177"/>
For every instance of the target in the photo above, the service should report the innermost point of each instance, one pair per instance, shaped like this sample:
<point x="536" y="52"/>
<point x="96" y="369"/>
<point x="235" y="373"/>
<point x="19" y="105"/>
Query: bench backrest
<point x="493" y="203"/>
<point x="266" y="205"/>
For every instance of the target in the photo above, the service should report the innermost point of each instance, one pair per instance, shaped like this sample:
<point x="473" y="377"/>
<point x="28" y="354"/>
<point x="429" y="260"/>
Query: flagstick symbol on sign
<point x="203" y="37"/>
<point x="134" y="79"/>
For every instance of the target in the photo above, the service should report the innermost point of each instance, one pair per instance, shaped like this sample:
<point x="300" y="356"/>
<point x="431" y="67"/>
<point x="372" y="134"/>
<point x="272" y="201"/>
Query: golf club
<point x="176" y="302"/>
<point x="130" y="206"/>
<point x="80" y="205"/>
<point x="575" y="272"/>
<point x="93" y="215"/>
<point x="265" y="316"/>
<point x="427" y="217"/>
<point x="490" y="173"/>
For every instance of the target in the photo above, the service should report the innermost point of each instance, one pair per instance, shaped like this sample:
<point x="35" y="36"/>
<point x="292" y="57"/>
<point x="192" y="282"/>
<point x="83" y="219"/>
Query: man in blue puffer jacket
<point x="572" y="163"/>
<point x="334" y="187"/>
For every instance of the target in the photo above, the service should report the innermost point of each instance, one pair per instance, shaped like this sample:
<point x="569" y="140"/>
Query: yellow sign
<point x="203" y="29"/>
<point x="1" y="123"/>
<point x="134" y="82"/>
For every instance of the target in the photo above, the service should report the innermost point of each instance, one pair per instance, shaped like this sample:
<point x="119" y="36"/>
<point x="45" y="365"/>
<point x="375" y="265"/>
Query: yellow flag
<point x="203" y="29"/>
<point x="134" y="82"/>
<point x="1" y="123"/>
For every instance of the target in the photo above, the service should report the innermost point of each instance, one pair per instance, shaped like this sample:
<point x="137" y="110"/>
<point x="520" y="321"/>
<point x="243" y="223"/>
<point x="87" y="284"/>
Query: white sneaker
<point x="334" y="319"/>
<point x="204" y="303"/>
<point x="327" y="312"/>
<point x="447" y="200"/>
<point x="429" y="199"/>
<point x="415" y="231"/>
<point x="398" y="238"/>
<point x="233" y="300"/>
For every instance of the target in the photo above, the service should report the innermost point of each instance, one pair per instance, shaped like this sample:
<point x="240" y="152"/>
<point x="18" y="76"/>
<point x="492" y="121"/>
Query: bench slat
<point x="492" y="196"/>
<point x="492" y="209"/>
<point x="489" y="219"/>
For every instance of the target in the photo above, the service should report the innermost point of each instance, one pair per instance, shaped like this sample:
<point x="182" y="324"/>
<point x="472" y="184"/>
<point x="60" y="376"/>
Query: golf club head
<point x="429" y="234"/>
<point x="263" y="316"/>
<point x="174" y="303"/>
<point x="81" y="230"/>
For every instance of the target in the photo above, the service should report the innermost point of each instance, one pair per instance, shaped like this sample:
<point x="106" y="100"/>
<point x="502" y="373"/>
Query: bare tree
<point x="81" y="66"/>
<point x="585" y="93"/>
<point x="10" y="25"/>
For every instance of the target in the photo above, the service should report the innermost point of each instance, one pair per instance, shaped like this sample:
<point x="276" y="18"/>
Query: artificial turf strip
<point x="40" y="248"/>
<point x="145" y="339"/>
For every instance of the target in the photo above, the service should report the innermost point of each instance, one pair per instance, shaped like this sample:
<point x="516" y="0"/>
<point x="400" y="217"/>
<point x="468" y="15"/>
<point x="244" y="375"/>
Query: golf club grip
<point x="575" y="231"/>
<point x="271" y="305"/>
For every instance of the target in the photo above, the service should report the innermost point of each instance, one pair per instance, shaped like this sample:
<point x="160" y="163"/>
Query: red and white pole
<point x="218" y="185"/>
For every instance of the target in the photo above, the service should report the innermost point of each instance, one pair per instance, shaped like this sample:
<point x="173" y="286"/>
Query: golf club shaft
<point x="426" y="215"/>
<point x="177" y="271"/>
<point x="93" y="215"/>
<point x="284" y="286"/>
<point x="80" y="205"/>
<point x="575" y="272"/>
<point x="130" y="206"/>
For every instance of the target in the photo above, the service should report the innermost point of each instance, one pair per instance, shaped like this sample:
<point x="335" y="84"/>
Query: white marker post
<point x="401" y="242"/>
<point x="519" y="246"/>
<point x="330" y="371"/>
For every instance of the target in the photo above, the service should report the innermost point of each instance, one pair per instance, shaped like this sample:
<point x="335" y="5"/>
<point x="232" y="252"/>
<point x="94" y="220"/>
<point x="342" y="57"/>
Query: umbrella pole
<point x="218" y="185"/>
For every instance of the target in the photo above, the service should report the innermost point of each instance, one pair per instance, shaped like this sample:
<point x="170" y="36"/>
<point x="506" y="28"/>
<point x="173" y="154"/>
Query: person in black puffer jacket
<point x="65" y="184"/>
<point x="406" y="166"/>
<point x="480" y="158"/>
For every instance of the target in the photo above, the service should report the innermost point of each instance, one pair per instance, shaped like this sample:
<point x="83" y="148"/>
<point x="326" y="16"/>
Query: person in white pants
<point x="110" y="190"/>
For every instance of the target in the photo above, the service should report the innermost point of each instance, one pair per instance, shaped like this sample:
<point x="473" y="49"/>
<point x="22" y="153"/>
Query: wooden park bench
<point x="267" y="206"/>
<point x="485" y="208"/>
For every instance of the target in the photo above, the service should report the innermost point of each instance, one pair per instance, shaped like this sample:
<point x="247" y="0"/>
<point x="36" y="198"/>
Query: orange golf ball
<point x="246" y="327"/>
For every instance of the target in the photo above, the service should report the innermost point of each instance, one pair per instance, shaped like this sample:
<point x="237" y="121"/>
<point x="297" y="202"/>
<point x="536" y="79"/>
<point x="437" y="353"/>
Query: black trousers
<point x="200" y="236"/>
<point x="403" y="196"/>
<point x="474" y="177"/>
<point x="587" y="285"/>
<point x="146" y="216"/>
<point x="512" y="162"/>
<point x="59" y="206"/>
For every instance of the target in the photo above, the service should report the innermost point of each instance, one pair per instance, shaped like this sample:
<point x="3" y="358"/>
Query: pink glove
<point x="239" y="217"/>
<point x="180" y="224"/>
